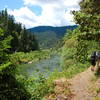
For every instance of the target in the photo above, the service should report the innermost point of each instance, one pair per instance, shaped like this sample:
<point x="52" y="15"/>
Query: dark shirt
<point x="94" y="57"/>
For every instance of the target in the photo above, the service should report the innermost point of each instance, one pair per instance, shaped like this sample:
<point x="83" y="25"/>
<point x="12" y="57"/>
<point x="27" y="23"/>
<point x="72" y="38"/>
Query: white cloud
<point x="24" y="15"/>
<point x="41" y="2"/>
<point x="54" y="12"/>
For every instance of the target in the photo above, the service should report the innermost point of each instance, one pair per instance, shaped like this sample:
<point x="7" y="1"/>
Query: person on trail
<point x="98" y="59"/>
<point x="95" y="60"/>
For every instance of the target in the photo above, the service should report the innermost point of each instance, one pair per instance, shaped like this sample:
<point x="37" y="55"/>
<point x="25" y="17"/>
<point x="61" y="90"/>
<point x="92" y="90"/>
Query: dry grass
<point x="61" y="91"/>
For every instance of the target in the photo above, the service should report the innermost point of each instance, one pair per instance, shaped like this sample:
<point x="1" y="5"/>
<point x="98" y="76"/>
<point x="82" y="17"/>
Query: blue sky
<point x="11" y="4"/>
<point x="36" y="9"/>
<point x="16" y="4"/>
<point x="33" y="13"/>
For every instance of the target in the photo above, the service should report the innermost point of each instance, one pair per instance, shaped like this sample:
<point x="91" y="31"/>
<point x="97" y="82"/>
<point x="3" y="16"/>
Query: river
<point x="45" y="66"/>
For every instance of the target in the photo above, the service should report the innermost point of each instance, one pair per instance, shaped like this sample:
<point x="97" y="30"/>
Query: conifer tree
<point x="18" y="32"/>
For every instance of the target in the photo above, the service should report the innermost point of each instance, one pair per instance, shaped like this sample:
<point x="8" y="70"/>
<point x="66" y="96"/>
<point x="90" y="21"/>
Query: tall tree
<point x="10" y="88"/>
<point x="90" y="6"/>
<point x="18" y="32"/>
<point x="4" y="46"/>
<point x="88" y="19"/>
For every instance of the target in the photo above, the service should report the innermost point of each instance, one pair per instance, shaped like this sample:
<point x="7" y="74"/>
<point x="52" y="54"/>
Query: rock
<point x="60" y="81"/>
<point x="61" y="97"/>
<point x="30" y="62"/>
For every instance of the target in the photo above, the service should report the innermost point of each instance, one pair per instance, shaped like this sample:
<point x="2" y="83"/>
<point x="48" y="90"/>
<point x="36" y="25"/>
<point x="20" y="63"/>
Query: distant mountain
<point x="49" y="36"/>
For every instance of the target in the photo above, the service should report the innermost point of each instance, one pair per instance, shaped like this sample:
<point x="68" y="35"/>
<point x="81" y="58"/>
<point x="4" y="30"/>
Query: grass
<point x="94" y="78"/>
<point x="69" y="72"/>
<point x="41" y="86"/>
<point x="96" y="98"/>
<point x="66" y="73"/>
<point x="33" y="56"/>
<point x="98" y="73"/>
<point x="37" y="87"/>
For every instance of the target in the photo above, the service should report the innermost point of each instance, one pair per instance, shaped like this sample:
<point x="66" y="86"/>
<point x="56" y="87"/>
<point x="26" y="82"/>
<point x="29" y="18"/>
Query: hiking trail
<point x="83" y="86"/>
<point x="80" y="85"/>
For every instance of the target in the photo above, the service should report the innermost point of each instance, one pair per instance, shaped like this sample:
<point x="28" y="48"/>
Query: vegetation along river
<point x="45" y="66"/>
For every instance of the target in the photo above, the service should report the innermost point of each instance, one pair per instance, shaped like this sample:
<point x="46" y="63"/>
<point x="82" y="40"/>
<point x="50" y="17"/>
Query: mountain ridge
<point x="49" y="36"/>
<point x="60" y="30"/>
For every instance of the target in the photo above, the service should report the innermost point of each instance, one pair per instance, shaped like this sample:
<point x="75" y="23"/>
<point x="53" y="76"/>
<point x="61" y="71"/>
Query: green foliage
<point x="81" y="42"/>
<point x="33" y="56"/>
<point x="50" y="40"/>
<point x="89" y="28"/>
<point x="90" y="6"/>
<point x="77" y="47"/>
<point x="71" y="60"/>
<point x="68" y="55"/>
<point x="37" y="87"/>
<point x="10" y="88"/>
<point x="22" y="40"/>
<point x="98" y="73"/>
<point x="96" y="98"/>
<point x="82" y="48"/>
<point x="4" y="66"/>
<point x="14" y="38"/>
<point x="4" y="46"/>
<point x="68" y="72"/>
<point x="50" y="37"/>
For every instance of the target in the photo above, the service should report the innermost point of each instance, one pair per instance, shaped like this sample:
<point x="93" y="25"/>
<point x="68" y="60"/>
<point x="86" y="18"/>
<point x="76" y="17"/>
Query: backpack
<point x="93" y="56"/>
<point x="98" y="55"/>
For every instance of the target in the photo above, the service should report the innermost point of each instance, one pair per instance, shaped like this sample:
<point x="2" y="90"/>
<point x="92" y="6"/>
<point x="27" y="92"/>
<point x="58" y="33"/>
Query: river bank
<point x="45" y="66"/>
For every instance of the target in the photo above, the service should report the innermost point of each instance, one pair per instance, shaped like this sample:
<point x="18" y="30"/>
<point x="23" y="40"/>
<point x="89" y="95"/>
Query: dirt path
<point x="80" y="84"/>
<point x="81" y="87"/>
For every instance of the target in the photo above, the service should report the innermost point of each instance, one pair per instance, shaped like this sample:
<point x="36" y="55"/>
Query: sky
<point x="32" y="13"/>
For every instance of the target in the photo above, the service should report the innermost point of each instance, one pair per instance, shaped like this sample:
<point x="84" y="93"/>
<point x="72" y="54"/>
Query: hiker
<point x="95" y="60"/>
<point x="98" y="59"/>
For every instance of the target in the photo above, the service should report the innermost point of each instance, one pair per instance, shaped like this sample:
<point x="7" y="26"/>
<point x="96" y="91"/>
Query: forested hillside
<point x="47" y="39"/>
<point x="21" y="40"/>
<point x="48" y="36"/>
<point x="60" y="31"/>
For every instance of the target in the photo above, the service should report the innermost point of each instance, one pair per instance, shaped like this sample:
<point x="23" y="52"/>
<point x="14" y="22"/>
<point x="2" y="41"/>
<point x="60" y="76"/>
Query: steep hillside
<point x="60" y="31"/>
<point x="49" y="36"/>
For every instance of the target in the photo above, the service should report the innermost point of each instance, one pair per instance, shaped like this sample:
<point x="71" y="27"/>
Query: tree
<point x="18" y="32"/>
<point x="10" y="88"/>
<point x="90" y="6"/>
<point x="88" y="19"/>
<point x="4" y="46"/>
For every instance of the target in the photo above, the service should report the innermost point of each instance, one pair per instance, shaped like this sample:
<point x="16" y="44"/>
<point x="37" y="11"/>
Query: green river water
<point x="45" y="66"/>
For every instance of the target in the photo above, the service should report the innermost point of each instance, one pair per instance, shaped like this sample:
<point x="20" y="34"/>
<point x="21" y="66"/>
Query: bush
<point x="21" y="57"/>
<point x="37" y="87"/>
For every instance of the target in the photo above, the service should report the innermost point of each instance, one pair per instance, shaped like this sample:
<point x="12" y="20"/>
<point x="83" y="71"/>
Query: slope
<point x="49" y="36"/>
<point x="80" y="85"/>
<point x="84" y="86"/>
